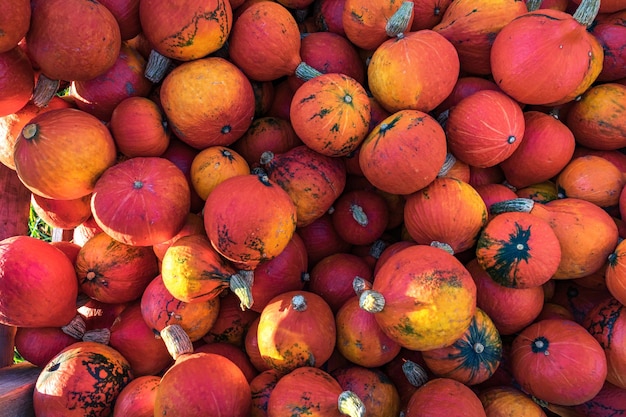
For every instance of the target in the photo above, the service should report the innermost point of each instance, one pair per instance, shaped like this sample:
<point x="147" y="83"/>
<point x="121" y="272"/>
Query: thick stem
<point x="44" y="90"/>
<point x="241" y="285"/>
<point x="350" y="404"/>
<point x="75" y="328"/>
<point x="157" y="66"/>
<point x="358" y="214"/>
<point x="372" y="301"/>
<point x="306" y="72"/>
<point x="377" y="248"/>
<point x="176" y="340"/>
<point x="533" y="5"/>
<point x="414" y="373"/>
<point x="524" y="205"/>
<point x="447" y="165"/>
<point x="360" y="284"/>
<point x="586" y="12"/>
<point x="399" y="22"/>
<point x="298" y="302"/>
<point x="102" y="336"/>
<point x="442" y="246"/>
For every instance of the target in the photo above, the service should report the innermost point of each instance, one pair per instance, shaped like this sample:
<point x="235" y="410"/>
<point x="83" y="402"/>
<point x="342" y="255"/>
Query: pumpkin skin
<point x="208" y="102"/>
<point x="540" y="193"/>
<point x="14" y="23"/>
<point x="430" y="298"/>
<point x="126" y="13"/>
<point x="84" y="37"/>
<point x="63" y="214"/>
<point x="428" y="14"/>
<point x="380" y="397"/>
<point x="444" y="397"/>
<point x="548" y="145"/>
<point x="83" y="379"/>
<point x="558" y="361"/>
<point x="330" y="113"/>
<point x="518" y="250"/>
<point x="473" y="358"/>
<point x="186" y="30"/>
<point x="610" y="400"/>
<point x="251" y="347"/>
<point x="610" y="32"/>
<point x="360" y="217"/>
<point x="220" y="388"/>
<point x="38" y="345"/>
<point x="448" y="211"/>
<point x="527" y="75"/>
<point x="232" y="321"/>
<point x="502" y="401"/>
<point x="321" y="239"/>
<point x="266" y="133"/>
<point x="61" y="153"/>
<point x="232" y="352"/>
<point x="615" y="274"/>
<point x="465" y="86"/>
<point x="261" y="387"/>
<point x="424" y="149"/>
<point x="113" y="272"/>
<point x="17" y="82"/>
<point x="424" y="88"/>
<point x="213" y="165"/>
<point x="248" y="234"/>
<point x="471" y="27"/>
<point x="181" y="155"/>
<point x="289" y="329"/>
<point x="596" y="120"/>
<point x="38" y="286"/>
<point x="152" y="193"/>
<point x="491" y="193"/>
<point x="493" y="140"/>
<point x="137" y="397"/>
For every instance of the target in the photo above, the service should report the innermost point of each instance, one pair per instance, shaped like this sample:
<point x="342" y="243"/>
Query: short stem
<point x="414" y="373"/>
<point x="372" y="301"/>
<point x="306" y="72"/>
<point x="377" y="248"/>
<point x="360" y="284"/>
<point x="44" y="90"/>
<point x="586" y="12"/>
<point x="75" y="328"/>
<point x="399" y="22"/>
<point x="358" y="214"/>
<point x="447" y="165"/>
<point x="298" y="302"/>
<point x="442" y="246"/>
<point x="241" y="285"/>
<point x="176" y="340"/>
<point x="102" y="336"/>
<point x="157" y="66"/>
<point x="350" y="404"/>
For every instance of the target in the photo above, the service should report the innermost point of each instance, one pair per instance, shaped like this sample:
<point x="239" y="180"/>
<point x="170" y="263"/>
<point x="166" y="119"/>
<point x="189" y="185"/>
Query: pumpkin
<point x="313" y="180"/>
<point x="234" y="353"/>
<point x="38" y="286"/>
<point x="328" y="15"/>
<point x="518" y="250"/>
<point x="232" y="321"/>
<point x="444" y="397"/>
<point x="408" y="372"/>
<point x="615" y="156"/>
<point x="471" y="27"/>
<point x="17" y="82"/>
<point x="251" y="347"/>
<point x="427" y="85"/>
<point x="266" y="133"/>
<point x="181" y="155"/>
<point x="465" y="86"/>
<point x="14" y="23"/>
<point x="265" y="43"/>
<point x="453" y="168"/>
<point x="62" y="214"/>
<point x="261" y="387"/>
<point x="321" y="239"/>
<point x="422" y="297"/>
<point x="61" y="153"/>
<point x="558" y="361"/>
<point x="360" y="217"/>
<point x="423" y="145"/>
<point x="448" y="211"/>
<point x="615" y="273"/>
<point x="487" y="175"/>
<point x="473" y="358"/>
<point x="38" y="345"/>
<point x="607" y="402"/>
<point x="578" y="300"/>
<point x="427" y="14"/>
<point x="596" y="120"/>
<point x="213" y="165"/>
<point x="591" y="178"/>
<point x="137" y="397"/>
<point x="151" y="192"/>
<point x="368" y="24"/>
<point x="208" y="102"/>
<point x="281" y="101"/>
<point x="541" y="192"/>
<point x="83" y="379"/>
<point x="314" y="390"/>
<point x="330" y="113"/>
<point x="125" y="78"/>
<point x="491" y="193"/>
<point x="245" y="233"/>
<point x="380" y="397"/>
<point x="126" y="13"/>
<point x="502" y="401"/>
<point x="495" y="138"/>
<point x="606" y="323"/>
<point x="579" y="225"/>
<point x="610" y="33"/>
<point x="220" y="388"/>
<point x="546" y="149"/>
<point x="288" y="334"/>
<point x="522" y="56"/>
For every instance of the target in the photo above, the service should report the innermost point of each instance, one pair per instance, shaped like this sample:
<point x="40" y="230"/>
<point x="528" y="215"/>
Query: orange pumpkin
<point x="444" y="397"/>
<point x="380" y="397"/>
<point x="503" y="401"/>
<point x="251" y="347"/>
<point x="232" y="352"/>
<point x="61" y="153"/>
<point x="62" y="214"/>
<point x="18" y="80"/>
<point x="14" y="23"/>
<point x="266" y="133"/>
<point x="213" y="165"/>
<point x="232" y="321"/>
<point x="615" y="274"/>
<point x="261" y="387"/>
<point x="541" y="192"/>
<point x="137" y="397"/>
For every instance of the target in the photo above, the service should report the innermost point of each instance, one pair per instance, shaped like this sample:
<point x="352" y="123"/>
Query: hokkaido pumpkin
<point x="360" y="216"/>
<point x="427" y="14"/>
<point x="63" y="214"/>
<point x="14" y="23"/>
<point x="266" y="133"/>
<point x="38" y="345"/>
<point x="232" y="321"/>
<point x="126" y="12"/>
<point x="608" y="401"/>
<point x="610" y="32"/>
<point x="213" y="165"/>
<point x="380" y="397"/>
<point x="261" y="387"/>
<point x="232" y="352"/>
<point x="444" y="397"/>
<point x="615" y="274"/>
<point x="502" y="400"/>
<point x="17" y="82"/>
<point x="137" y="397"/>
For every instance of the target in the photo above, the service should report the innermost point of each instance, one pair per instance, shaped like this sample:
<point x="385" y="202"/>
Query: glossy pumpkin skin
<point x="444" y="397"/>
<point x="502" y="401"/>
<point x="113" y="272"/>
<point x="378" y="393"/>
<point x="471" y="28"/>
<point x="153" y="194"/>
<point x="493" y="140"/>
<point x="84" y="36"/>
<point x="137" y="397"/>
<point x="571" y="372"/>
<point x="598" y="117"/>
<point x="528" y="76"/>
<point x="448" y="211"/>
<point x="208" y="102"/>
<point x="313" y="180"/>
<point x="186" y="30"/>
<point x="221" y="388"/>
<point x="38" y="286"/>
<point x="83" y="379"/>
<point x="423" y="144"/>
<point x="18" y="80"/>
<point x="607" y="323"/>
<point x="430" y="297"/>
<point x="61" y="153"/>
<point x="14" y="23"/>
<point x="548" y="145"/>
<point x="473" y="358"/>
<point x="615" y="274"/>
<point x="235" y="353"/>
<point x="246" y="233"/>
<point x="288" y="334"/>
<point x="518" y="250"/>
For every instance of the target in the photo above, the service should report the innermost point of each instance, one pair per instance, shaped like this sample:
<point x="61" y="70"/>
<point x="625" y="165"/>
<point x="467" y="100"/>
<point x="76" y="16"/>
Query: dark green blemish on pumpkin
<point x="510" y="254"/>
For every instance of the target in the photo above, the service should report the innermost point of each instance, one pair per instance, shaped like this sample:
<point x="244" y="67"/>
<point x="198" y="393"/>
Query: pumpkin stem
<point x="533" y="5"/>
<point x="298" y="302"/>
<point x="479" y="347"/>
<point x="157" y="66"/>
<point x="305" y="277"/>
<point x="176" y="340"/>
<point x="524" y="205"/>
<point x="76" y="327"/>
<point x="372" y="301"/>
<point x="586" y="12"/>
<point x="442" y="246"/>
<point x="377" y="248"/>
<point x="447" y="165"/>
<point x="360" y="284"/>
<point x="414" y="373"/>
<point x="241" y="284"/>
<point x="306" y="72"/>
<point x="350" y="404"/>
<point x="399" y="22"/>
<point x="442" y="119"/>
<point x="540" y="345"/>
<point x="102" y="336"/>
<point x="359" y="215"/>
<point x="30" y="130"/>
<point x="44" y="90"/>
<point x="266" y="157"/>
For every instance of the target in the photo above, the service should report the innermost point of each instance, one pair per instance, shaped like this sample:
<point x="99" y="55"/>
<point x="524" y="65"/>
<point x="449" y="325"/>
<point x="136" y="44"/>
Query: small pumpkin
<point x="62" y="214"/>
<point x="368" y="24"/>
<point x="502" y="400"/>
<point x="380" y="397"/>
<point x="126" y="12"/>
<point x="14" y="23"/>
<point x="232" y="323"/>
<point x="266" y="133"/>
<point x="607" y="402"/>
<point x="137" y="397"/>
<point x="38" y="345"/>
<point x="213" y="165"/>
<point x="491" y="193"/>
<point x="18" y="80"/>
<point x="444" y="397"/>
<point x="321" y="239"/>
<point x="360" y="217"/>
<point x="427" y="14"/>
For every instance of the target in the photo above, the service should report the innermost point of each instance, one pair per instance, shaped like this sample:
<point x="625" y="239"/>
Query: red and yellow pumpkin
<point x="62" y="214"/>
<point x="503" y="400"/>
<point x="213" y="165"/>
<point x="380" y="397"/>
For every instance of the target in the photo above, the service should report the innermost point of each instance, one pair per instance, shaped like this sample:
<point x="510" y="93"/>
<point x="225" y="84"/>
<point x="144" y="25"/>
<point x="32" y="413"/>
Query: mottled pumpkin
<point x="379" y="395"/>
<point x="502" y="401"/>
<point x="615" y="274"/>
<point x="213" y="165"/>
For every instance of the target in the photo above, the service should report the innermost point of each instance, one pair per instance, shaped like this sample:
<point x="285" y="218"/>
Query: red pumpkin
<point x="182" y="155"/>
<point x="444" y="397"/>
<point x="615" y="274"/>
<point x="126" y="12"/>
<point x="38" y="345"/>
<point x="62" y="214"/>
<point x="234" y="353"/>
<point x="380" y="397"/>
<point x="137" y="397"/>
<point x="578" y="300"/>
<point x="17" y="82"/>
<point x="360" y="216"/>
<point x="266" y="133"/>
<point x="611" y="33"/>
<point x="558" y="361"/>
<point x="607" y="402"/>
<point x="84" y="378"/>
<point x="321" y="239"/>
<point x="491" y="193"/>
<point x="465" y="86"/>
<point x="251" y="347"/>
<point x="232" y="321"/>
<point x="427" y="14"/>
<point x="14" y="23"/>
<point x="261" y="387"/>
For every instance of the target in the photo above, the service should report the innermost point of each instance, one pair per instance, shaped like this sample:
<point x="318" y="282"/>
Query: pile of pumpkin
<point x="318" y="207"/>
